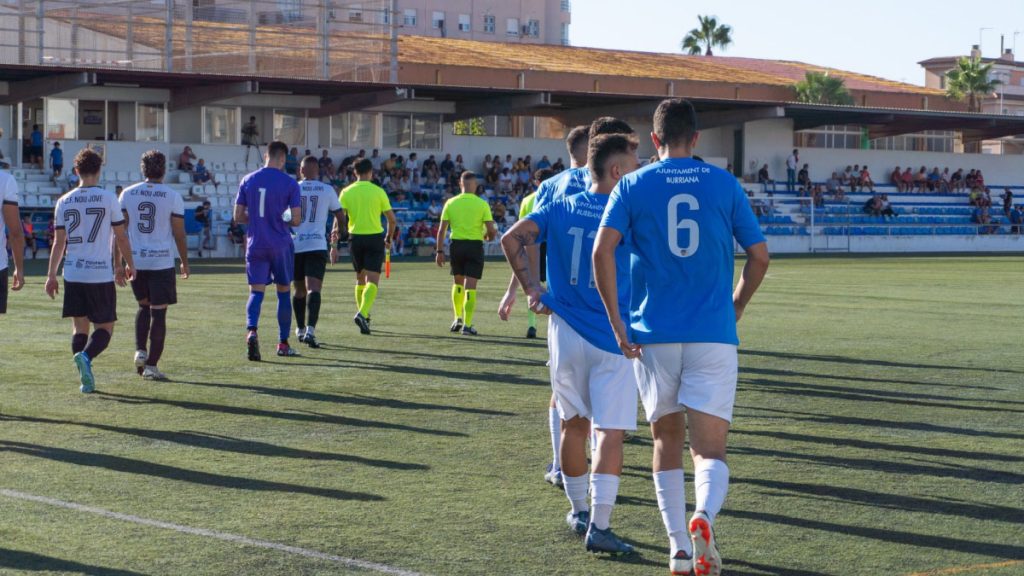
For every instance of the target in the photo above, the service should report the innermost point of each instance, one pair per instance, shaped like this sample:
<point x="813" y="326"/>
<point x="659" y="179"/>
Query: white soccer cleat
<point x="140" y="360"/>
<point x="681" y="564"/>
<point x="151" y="373"/>
<point x="706" y="561"/>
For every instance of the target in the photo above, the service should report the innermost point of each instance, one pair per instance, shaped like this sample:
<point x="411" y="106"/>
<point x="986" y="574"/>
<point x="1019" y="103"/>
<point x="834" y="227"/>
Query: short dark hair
<point x="277" y="149"/>
<point x="609" y="125"/>
<point x="577" y="138"/>
<point x="543" y="174"/>
<point x="675" y="122"/>
<point x="604" y="146"/>
<point x="364" y="166"/>
<point x="309" y="160"/>
<point x="467" y="176"/>
<point x="87" y="162"/>
<point x="154" y="164"/>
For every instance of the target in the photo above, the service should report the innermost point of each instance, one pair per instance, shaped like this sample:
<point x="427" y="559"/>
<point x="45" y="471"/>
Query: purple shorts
<point x="270" y="265"/>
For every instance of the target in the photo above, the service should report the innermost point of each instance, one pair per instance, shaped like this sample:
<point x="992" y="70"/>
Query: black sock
<point x="98" y="342"/>
<point x="157" y="335"/>
<point x="314" y="307"/>
<point x="299" y="306"/>
<point x="78" y="342"/>
<point x="142" y="320"/>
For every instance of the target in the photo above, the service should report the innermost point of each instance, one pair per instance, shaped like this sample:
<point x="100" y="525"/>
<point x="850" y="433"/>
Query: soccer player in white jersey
<point x="12" y="219"/>
<point x="155" y="217"/>
<point x="576" y="143"/>
<point x="318" y="200"/>
<point x="86" y="218"/>
<point x="679" y="218"/>
<point x="592" y="380"/>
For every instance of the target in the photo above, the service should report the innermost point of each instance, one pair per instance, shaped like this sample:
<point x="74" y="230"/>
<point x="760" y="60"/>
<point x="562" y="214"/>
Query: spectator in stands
<point x="376" y="160"/>
<point x="1017" y="220"/>
<point x="865" y="180"/>
<point x="974" y="198"/>
<point x="236" y="233"/>
<point x="488" y="163"/>
<point x="1007" y="197"/>
<point x="847" y="178"/>
<point x="508" y="163"/>
<point x="944" y="180"/>
<point x="185" y="160"/>
<point x="430" y="171"/>
<point x="986" y="224"/>
<point x="500" y="214"/>
<point x="51" y="233"/>
<point x="204" y="216"/>
<point x="792" y="162"/>
<point x="291" y="162"/>
<point x="986" y="197"/>
<point x="56" y="162"/>
<point x="817" y="196"/>
<point x="36" y="146"/>
<point x="855" y="178"/>
<point x="434" y="210"/>
<point x="460" y="165"/>
<point x="543" y="163"/>
<point x="447" y="166"/>
<point x="921" y="180"/>
<point x="956" y="181"/>
<point x="979" y="179"/>
<point x="804" y="176"/>
<point x="908" y="180"/>
<point x="835" y="188"/>
<point x="764" y="179"/>
<point x="30" y="237"/>
<point x="202" y="175"/>
<point x="522" y="178"/>
<point x="326" y="166"/>
<point x="505" y="181"/>
<point x="558" y="166"/>
<point x="970" y="180"/>
<point x="72" y="180"/>
<point x="885" y="208"/>
<point x="896" y="179"/>
<point x="933" y="179"/>
<point x="873" y="206"/>
<point x="250" y="133"/>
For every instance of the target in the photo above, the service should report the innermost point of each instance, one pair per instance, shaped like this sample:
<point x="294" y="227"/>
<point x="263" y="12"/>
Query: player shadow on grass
<point x="506" y="340"/>
<point x="502" y="361"/>
<point x="766" y="386"/>
<point x="356" y="400"/>
<point x="22" y="560"/>
<point x="144" y="468"/>
<point x="867" y="361"/>
<point x="489" y="377"/>
<point x="297" y="415"/>
<point x="228" y="444"/>
<point x="847" y="378"/>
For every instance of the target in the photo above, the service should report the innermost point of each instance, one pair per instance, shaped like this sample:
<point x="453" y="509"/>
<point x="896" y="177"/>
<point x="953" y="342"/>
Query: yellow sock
<point x="369" y="295"/>
<point x="531" y="319"/>
<point x="359" y="295"/>
<point x="458" y="299"/>
<point x="470" y="306"/>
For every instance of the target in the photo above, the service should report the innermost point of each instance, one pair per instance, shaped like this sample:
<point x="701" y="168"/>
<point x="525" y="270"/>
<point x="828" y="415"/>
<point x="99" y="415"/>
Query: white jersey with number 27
<point x="87" y="216"/>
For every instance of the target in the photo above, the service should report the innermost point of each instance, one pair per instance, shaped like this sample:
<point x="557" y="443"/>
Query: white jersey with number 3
<point x="318" y="200"/>
<point x="150" y="207"/>
<point x="87" y="216"/>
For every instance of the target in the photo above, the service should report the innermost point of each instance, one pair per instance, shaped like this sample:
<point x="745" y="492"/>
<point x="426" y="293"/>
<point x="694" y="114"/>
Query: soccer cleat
<point x="311" y="341"/>
<point x="531" y="332"/>
<point x="606" y="541"/>
<point x="84" y="365"/>
<point x="457" y="325"/>
<point x="553" y="475"/>
<point x="140" y="360"/>
<point x="362" y="322"/>
<point x="578" y="522"/>
<point x="680" y="564"/>
<point x="253" y="344"/>
<point x="283" y="349"/>
<point x="300" y="335"/>
<point x="468" y="331"/>
<point x="706" y="561"/>
<point x="151" y="373"/>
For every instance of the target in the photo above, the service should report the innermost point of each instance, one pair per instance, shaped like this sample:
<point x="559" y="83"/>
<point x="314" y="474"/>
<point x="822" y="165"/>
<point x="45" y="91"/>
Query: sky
<point x="885" y="38"/>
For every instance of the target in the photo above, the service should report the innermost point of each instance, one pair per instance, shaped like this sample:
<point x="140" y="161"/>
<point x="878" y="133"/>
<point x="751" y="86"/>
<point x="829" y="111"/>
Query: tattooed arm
<point x="514" y="243"/>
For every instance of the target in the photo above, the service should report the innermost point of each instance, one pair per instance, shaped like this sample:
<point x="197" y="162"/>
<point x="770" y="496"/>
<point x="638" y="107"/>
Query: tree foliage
<point x="823" y="88"/>
<point x="707" y="35"/>
<point x="972" y="81"/>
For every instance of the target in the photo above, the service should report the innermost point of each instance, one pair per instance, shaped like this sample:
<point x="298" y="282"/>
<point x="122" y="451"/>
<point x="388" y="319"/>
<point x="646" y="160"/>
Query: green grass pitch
<point x="877" y="431"/>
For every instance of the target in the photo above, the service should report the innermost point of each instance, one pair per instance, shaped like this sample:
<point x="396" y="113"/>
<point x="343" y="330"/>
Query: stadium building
<point x="128" y="76"/>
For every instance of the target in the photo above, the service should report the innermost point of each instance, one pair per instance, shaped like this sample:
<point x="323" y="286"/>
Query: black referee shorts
<point x="312" y="264"/>
<point x="3" y="291"/>
<point x="97" y="302"/>
<point x="367" y="252"/>
<point x="467" y="258"/>
<point x="159" y="287"/>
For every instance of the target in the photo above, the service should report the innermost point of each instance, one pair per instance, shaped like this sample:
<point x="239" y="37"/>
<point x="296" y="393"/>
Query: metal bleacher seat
<point x="184" y="178"/>
<point x="218" y="166"/>
<point x="46" y="201"/>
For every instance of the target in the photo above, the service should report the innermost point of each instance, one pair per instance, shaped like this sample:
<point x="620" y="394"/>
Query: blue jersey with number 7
<point x="679" y="217"/>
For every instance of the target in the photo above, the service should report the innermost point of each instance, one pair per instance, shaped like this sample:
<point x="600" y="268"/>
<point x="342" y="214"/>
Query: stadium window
<point x="290" y="127"/>
<point x="362" y="130"/>
<point x="512" y="27"/>
<point x="426" y="131"/>
<point x="220" y="125"/>
<point x="465" y="24"/>
<point x="61" y="119"/>
<point x="437" y="20"/>
<point x="396" y="131"/>
<point x="566" y="6"/>
<point x="533" y="28"/>
<point x="565" y="33"/>
<point x="339" y="130"/>
<point x="385" y="16"/>
<point x="355" y="13"/>
<point x="489" y="24"/>
<point x="150" y="123"/>
<point x="409" y="17"/>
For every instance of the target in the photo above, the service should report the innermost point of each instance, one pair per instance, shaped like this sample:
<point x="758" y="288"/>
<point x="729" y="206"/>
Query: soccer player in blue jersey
<point x="264" y="197"/>
<point x="590" y="377"/>
<point x="679" y="218"/>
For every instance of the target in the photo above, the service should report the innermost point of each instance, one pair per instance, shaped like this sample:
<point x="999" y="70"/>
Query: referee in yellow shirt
<point x="469" y="217"/>
<point x="364" y="202"/>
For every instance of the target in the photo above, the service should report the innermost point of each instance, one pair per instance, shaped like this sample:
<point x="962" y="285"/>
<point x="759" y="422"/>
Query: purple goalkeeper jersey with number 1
<point x="267" y="193"/>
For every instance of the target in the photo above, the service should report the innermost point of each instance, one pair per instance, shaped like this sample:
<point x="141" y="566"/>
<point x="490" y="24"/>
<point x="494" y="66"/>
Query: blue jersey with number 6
<point x="680" y="217"/>
<point x="569" y="225"/>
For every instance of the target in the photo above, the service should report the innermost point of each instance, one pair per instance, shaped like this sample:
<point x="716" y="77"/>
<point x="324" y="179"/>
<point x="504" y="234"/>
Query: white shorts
<point x="698" y="376"/>
<point x="589" y="382"/>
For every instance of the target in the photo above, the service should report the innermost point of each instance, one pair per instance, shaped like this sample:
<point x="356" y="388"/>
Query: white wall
<point x="474" y="148"/>
<point x="1008" y="170"/>
<point x="767" y="142"/>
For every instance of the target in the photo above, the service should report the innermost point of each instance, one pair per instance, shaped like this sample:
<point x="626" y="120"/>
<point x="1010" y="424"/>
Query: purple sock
<point x="98" y="342"/>
<point x="252" y="310"/>
<point x="284" y="314"/>
<point x="157" y="335"/>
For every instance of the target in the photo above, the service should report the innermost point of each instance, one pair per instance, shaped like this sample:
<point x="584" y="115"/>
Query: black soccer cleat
<point x="531" y="332"/>
<point x="362" y="322"/>
<point x="468" y="331"/>
<point x="310" y="340"/>
<point x="253" y="344"/>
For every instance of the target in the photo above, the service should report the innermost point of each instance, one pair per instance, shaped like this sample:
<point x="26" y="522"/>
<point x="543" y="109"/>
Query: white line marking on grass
<point x="350" y="562"/>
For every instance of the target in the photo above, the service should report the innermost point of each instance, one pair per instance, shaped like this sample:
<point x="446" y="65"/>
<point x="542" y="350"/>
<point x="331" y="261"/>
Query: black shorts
<point x="367" y="252"/>
<point x="543" y="261"/>
<point x="467" y="258"/>
<point x="312" y="264"/>
<point x="157" y="286"/>
<point x="97" y="302"/>
<point x="3" y="291"/>
<point x="37" y="151"/>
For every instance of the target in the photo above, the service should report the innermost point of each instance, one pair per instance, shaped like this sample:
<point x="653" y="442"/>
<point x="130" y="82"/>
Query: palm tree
<point x="822" y="88"/>
<point x="970" y="80"/>
<point x="709" y="34"/>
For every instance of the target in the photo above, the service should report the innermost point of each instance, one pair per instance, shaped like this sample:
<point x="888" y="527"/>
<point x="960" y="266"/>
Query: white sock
<point x="309" y="330"/>
<point x="555" y="426"/>
<point x="576" y="491"/>
<point x="670" y="486"/>
<point x="604" y="488"/>
<point x="711" y="482"/>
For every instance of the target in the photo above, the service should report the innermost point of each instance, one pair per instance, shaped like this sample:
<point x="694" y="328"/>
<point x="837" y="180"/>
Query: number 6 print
<point x="675" y="225"/>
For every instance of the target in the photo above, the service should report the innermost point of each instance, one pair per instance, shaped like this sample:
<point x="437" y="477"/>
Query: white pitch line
<point x="227" y="537"/>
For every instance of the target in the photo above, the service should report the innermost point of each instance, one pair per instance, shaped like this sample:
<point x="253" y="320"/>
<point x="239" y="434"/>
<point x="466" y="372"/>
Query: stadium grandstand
<point x="128" y="76"/>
